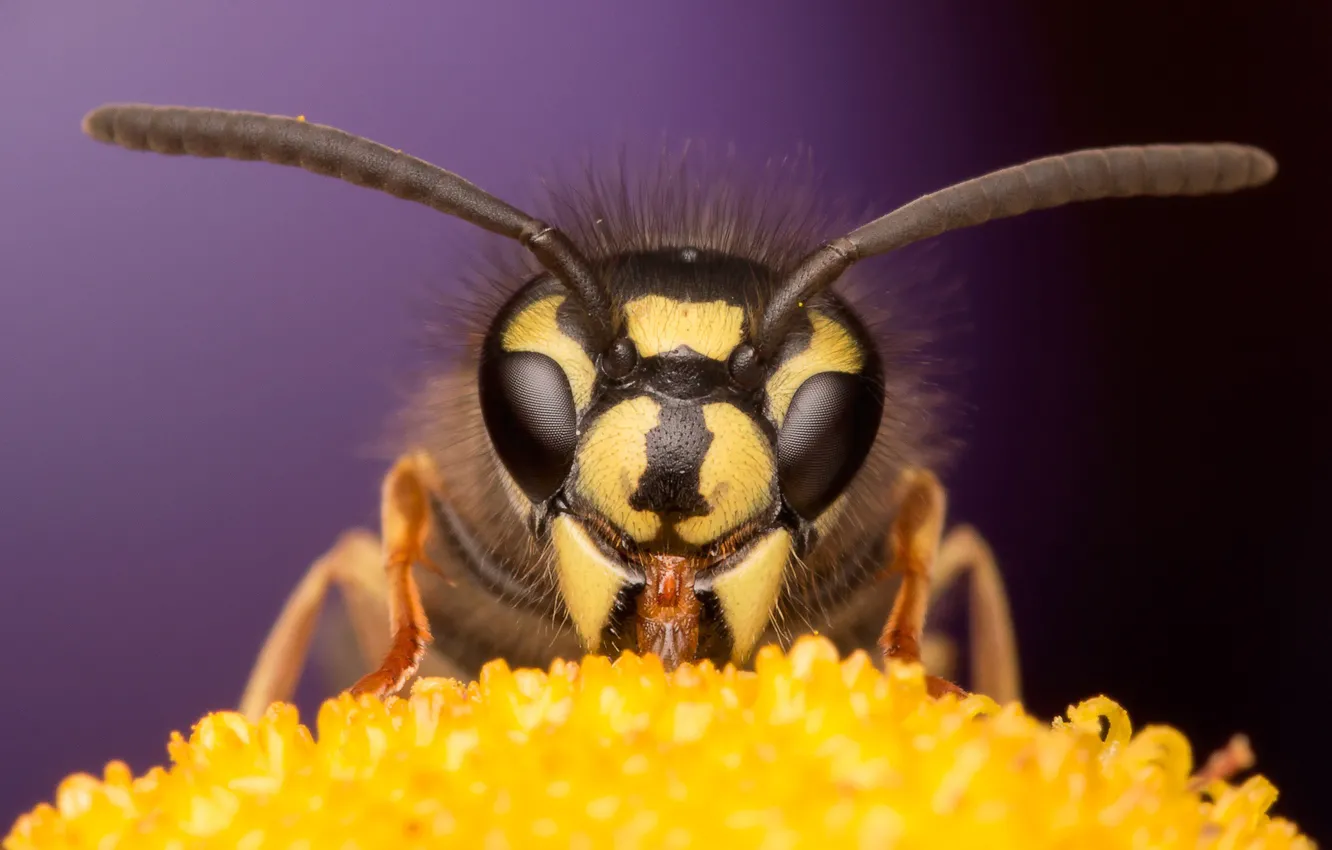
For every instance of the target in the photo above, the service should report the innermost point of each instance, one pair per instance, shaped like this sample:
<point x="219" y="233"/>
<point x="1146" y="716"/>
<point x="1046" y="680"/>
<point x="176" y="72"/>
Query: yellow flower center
<point x="808" y="750"/>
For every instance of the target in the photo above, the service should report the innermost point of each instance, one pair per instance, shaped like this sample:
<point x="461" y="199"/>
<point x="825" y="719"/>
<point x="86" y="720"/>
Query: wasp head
<point x="671" y="468"/>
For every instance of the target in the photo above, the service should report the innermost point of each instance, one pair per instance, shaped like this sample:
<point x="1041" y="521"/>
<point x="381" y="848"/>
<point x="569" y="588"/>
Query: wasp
<point x="672" y="435"/>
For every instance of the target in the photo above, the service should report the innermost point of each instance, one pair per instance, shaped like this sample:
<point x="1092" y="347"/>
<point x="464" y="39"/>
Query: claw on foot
<point x="937" y="687"/>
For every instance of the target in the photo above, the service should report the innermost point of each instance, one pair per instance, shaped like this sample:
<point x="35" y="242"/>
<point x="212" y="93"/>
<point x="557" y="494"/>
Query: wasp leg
<point x="939" y="654"/>
<point x="369" y="575"/>
<point x="405" y="520"/>
<point x="994" y="658"/>
<point x="354" y="564"/>
<point x="913" y="545"/>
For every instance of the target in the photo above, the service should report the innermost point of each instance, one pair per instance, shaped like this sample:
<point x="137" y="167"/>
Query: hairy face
<point x="662" y="468"/>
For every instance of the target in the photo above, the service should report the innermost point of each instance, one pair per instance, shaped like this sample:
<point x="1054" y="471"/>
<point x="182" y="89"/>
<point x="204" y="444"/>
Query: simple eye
<point x="745" y="368"/>
<point x="828" y="430"/>
<point x="620" y="361"/>
<point x="528" y="409"/>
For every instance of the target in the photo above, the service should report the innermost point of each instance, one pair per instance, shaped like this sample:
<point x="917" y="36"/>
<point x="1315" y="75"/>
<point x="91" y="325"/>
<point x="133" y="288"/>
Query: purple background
<point x="197" y="354"/>
<point x="196" y="357"/>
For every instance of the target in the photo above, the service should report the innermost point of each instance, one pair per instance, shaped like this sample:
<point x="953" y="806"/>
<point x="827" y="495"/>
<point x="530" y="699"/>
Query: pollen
<point x="809" y="749"/>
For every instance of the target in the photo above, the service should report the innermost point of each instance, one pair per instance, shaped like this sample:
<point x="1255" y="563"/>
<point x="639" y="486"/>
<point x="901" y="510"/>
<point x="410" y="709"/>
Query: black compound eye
<point x="825" y="437"/>
<point x="620" y="360"/>
<point x="529" y="412"/>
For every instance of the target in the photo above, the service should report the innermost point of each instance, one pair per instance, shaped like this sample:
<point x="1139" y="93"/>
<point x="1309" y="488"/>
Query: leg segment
<point x="929" y="563"/>
<point x="913" y="545"/>
<point x="405" y="519"/>
<point x="354" y="564"/>
<point x="994" y="658"/>
<point x="373" y="578"/>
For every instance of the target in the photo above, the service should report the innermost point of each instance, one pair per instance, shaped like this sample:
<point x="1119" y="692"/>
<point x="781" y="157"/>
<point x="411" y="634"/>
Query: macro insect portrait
<point x="672" y="434"/>
<point x="656" y="426"/>
<point x="673" y="440"/>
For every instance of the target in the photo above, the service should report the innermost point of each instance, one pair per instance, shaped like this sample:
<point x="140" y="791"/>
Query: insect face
<point x="671" y="462"/>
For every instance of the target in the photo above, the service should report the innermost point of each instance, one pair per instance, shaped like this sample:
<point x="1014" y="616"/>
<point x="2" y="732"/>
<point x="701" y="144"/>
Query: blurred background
<point x="195" y="357"/>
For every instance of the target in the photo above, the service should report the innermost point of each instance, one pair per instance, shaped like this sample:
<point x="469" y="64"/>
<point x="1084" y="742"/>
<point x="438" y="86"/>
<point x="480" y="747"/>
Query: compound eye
<point x="529" y="412"/>
<point x="825" y="437"/>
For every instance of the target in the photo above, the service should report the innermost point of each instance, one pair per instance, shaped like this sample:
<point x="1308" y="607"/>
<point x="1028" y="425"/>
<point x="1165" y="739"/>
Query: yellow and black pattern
<point x="735" y="476"/>
<point x="683" y="475"/>
<point x="658" y="324"/>
<point x="536" y="328"/>
<point x="612" y="462"/>
<point x="678" y="459"/>
<point x="669" y="453"/>
<point x="831" y="347"/>
<point x="673" y="461"/>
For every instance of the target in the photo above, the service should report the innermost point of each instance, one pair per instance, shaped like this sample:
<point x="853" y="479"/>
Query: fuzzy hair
<point x="772" y="215"/>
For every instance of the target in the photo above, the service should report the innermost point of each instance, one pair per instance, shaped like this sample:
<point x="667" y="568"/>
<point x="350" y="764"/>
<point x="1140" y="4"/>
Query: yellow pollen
<point x="808" y="750"/>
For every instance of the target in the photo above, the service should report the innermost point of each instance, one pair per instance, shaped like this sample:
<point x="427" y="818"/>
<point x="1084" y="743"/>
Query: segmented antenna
<point x="178" y="131"/>
<point x="1088" y="175"/>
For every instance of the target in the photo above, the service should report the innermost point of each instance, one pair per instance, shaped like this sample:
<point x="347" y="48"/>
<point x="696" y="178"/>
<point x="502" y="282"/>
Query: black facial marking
<point x="675" y="451"/>
<point x="798" y="339"/>
<point x="714" y="639"/>
<point x="572" y="322"/>
<point x="690" y="274"/>
<point x="684" y="375"/>
<point x="618" y="633"/>
<point x="537" y="288"/>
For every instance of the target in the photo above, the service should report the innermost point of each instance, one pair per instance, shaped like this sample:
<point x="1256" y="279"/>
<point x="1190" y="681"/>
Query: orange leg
<point x="382" y="606"/>
<point x="913" y="544"/>
<point x="353" y="565"/>
<point x="406" y="524"/>
<point x="372" y="576"/>
<point x="993" y="653"/>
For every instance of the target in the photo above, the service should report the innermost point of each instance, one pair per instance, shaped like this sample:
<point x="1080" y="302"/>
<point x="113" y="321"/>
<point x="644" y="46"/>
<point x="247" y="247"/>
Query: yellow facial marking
<point x="657" y="324"/>
<point x="612" y="460"/>
<point x="748" y="592"/>
<point x="736" y="475"/>
<point x="831" y="349"/>
<point x="589" y="582"/>
<point x="535" y="329"/>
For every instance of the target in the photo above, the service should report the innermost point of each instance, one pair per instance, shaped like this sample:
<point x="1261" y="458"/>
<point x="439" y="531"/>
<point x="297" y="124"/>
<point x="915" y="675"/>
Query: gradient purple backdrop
<point x="195" y="355"/>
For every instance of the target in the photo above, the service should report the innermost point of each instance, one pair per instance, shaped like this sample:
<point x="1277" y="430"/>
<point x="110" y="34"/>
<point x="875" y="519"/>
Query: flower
<point x="807" y="750"/>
